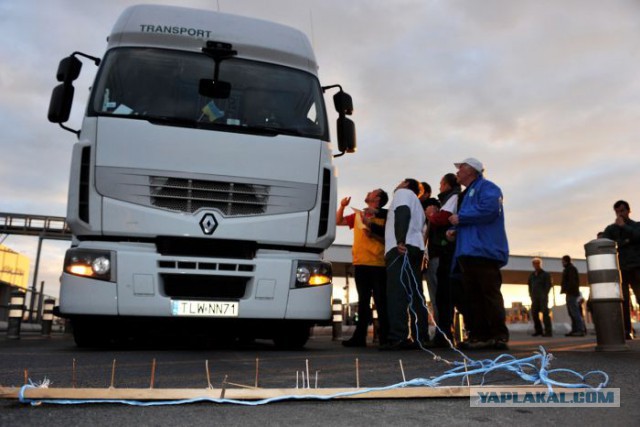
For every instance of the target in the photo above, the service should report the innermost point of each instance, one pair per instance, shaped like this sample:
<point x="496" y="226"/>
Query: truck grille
<point x="204" y="287"/>
<point x="189" y="195"/>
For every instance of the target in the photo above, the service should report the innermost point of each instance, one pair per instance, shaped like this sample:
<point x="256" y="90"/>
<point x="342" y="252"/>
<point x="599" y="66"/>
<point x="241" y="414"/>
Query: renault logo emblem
<point x="208" y="224"/>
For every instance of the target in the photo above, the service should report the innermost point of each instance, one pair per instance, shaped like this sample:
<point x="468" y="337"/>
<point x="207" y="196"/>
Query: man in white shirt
<point x="404" y="247"/>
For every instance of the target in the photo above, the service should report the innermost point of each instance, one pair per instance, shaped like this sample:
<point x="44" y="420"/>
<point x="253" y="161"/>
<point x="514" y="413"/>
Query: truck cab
<point x="202" y="190"/>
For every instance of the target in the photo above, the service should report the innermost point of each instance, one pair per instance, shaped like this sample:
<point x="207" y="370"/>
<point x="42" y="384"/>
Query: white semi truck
<point x="202" y="191"/>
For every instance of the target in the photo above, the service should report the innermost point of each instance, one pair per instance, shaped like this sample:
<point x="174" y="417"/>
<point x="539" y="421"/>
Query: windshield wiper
<point x="275" y="130"/>
<point x="171" y="120"/>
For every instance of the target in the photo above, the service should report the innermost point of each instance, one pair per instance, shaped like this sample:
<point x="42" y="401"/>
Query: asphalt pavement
<point x="184" y="366"/>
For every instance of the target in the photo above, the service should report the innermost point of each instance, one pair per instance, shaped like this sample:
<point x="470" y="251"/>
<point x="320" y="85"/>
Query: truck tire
<point x="293" y="337"/>
<point x="89" y="333"/>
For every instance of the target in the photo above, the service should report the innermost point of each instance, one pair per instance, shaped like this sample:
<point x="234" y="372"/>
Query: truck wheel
<point x="89" y="333"/>
<point x="292" y="337"/>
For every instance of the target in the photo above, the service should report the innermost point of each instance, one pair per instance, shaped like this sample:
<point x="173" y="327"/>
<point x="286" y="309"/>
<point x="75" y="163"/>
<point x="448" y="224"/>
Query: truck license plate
<point x="204" y="308"/>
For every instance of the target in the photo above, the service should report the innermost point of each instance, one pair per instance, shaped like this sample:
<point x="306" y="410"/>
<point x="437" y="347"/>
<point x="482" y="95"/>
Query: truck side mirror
<point x="62" y="95"/>
<point x="68" y="69"/>
<point x="346" y="130"/>
<point x="343" y="103"/>
<point x="60" y="105"/>
<point x="214" y="89"/>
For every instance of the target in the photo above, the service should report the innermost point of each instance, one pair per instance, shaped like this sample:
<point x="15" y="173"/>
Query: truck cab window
<point x="162" y="85"/>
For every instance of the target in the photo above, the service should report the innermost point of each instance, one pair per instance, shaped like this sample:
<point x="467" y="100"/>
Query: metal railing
<point x="44" y="226"/>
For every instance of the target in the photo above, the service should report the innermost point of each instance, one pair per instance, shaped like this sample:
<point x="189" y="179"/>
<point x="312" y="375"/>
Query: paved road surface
<point x="184" y="367"/>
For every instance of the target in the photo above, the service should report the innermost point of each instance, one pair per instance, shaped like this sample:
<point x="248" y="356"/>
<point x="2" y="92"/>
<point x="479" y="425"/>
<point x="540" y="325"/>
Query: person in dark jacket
<point x="442" y="249"/>
<point x="481" y="250"/>
<point x="626" y="233"/>
<point x="539" y="286"/>
<point x="570" y="286"/>
<point x="431" y="257"/>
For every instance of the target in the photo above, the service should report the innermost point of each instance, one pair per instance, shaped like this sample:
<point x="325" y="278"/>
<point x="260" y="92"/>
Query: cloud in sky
<point x="545" y="93"/>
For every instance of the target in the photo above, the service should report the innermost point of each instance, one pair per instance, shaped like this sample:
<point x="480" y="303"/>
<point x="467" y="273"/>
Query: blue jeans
<point x="575" y="312"/>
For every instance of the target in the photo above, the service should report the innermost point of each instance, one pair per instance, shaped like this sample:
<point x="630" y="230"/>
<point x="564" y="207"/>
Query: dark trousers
<point x="574" y="308"/>
<point x="631" y="278"/>
<point x="404" y="285"/>
<point x="445" y="297"/>
<point x="485" y="315"/>
<point x="371" y="281"/>
<point x="540" y="304"/>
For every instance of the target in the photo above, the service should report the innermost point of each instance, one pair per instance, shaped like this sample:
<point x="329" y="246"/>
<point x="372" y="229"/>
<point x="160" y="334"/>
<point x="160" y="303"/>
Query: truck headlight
<point x="313" y="273"/>
<point x="95" y="264"/>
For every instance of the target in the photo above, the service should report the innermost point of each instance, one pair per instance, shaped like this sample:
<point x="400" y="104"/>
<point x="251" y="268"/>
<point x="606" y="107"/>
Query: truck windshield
<point x="161" y="86"/>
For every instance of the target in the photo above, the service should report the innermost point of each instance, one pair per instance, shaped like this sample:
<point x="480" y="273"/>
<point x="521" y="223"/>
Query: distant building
<point x="14" y="268"/>
<point x="14" y="274"/>
<point x="518" y="313"/>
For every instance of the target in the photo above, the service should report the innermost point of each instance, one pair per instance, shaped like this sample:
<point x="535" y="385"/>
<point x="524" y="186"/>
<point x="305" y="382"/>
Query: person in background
<point x="431" y="256"/>
<point x="425" y="196"/>
<point x="442" y="249"/>
<point x="626" y="233"/>
<point x="368" y="262"/>
<point x="481" y="251"/>
<point x="539" y="286"/>
<point x="570" y="286"/>
<point x="404" y="246"/>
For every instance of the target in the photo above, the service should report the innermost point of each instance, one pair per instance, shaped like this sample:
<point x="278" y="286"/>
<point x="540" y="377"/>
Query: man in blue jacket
<point x="481" y="250"/>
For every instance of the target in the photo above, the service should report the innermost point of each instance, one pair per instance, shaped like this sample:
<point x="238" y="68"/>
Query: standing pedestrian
<point x="539" y="286"/>
<point x="368" y="262"/>
<point x="431" y="256"/>
<point x="481" y="250"/>
<point x="570" y="286"/>
<point x="404" y="246"/>
<point x="442" y="249"/>
<point x="626" y="233"/>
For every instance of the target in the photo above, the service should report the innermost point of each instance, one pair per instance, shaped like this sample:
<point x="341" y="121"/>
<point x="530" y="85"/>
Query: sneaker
<point x="547" y="334"/>
<point x="574" y="334"/>
<point x="354" y="342"/>
<point x="536" y="334"/>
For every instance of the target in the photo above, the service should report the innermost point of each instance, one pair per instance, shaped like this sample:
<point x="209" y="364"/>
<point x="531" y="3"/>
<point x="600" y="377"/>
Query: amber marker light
<point x="80" y="270"/>
<point x="319" y="279"/>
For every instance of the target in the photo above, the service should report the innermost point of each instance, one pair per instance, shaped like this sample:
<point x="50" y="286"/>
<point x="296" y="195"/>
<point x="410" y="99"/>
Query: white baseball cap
<point x="474" y="163"/>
